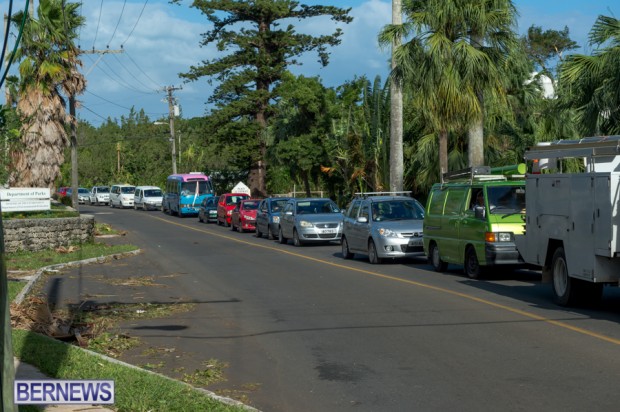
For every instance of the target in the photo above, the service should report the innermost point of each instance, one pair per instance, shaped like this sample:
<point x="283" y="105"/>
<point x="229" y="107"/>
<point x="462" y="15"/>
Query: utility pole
<point x="171" y="114"/>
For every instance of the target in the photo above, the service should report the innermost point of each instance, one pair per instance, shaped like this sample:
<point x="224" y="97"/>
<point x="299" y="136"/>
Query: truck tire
<point x="435" y="258"/>
<point x="563" y="285"/>
<point x="471" y="266"/>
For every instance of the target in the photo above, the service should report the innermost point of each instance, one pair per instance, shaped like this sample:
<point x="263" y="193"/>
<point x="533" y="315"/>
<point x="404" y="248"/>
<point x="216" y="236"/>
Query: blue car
<point x="268" y="216"/>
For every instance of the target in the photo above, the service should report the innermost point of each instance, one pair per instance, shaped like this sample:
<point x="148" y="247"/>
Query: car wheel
<point x="232" y="226"/>
<point x="346" y="253"/>
<point x="372" y="253"/>
<point x="135" y="207"/>
<point x="281" y="237"/>
<point x="200" y="218"/>
<point x="144" y="207"/>
<point x="270" y="235"/>
<point x="296" y="240"/>
<point x="435" y="259"/>
<point x="471" y="265"/>
<point x="259" y="234"/>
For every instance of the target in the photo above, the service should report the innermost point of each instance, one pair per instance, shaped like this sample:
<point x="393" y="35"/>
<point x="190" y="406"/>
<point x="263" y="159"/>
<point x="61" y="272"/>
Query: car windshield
<point x="397" y="210"/>
<point x="233" y="200"/>
<point x="316" y="206"/>
<point x="506" y="199"/>
<point x="152" y="193"/>
<point x="198" y="188"/>
<point x="83" y="191"/>
<point x="128" y="189"/>
<point x="103" y="189"/>
<point x="278" y="205"/>
<point x="249" y="205"/>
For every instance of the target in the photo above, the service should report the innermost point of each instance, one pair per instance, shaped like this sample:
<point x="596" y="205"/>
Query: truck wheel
<point x="471" y="265"/>
<point x="346" y="253"/>
<point x="563" y="285"/>
<point x="435" y="259"/>
<point x="372" y="253"/>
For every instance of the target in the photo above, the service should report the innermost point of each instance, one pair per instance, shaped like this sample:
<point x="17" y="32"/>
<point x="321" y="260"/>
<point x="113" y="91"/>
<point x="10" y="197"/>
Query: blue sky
<point x="161" y="40"/>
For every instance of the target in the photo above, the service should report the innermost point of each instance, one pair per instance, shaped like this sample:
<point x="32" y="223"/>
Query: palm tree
<point x="396" y="112"/>
<point x="590" y="84"/>
<point x="47" y="72"/>
<point x="490" y="24"/>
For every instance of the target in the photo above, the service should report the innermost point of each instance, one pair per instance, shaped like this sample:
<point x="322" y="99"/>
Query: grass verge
<point x="136" y="390"/>
<point x="36" y="260"/>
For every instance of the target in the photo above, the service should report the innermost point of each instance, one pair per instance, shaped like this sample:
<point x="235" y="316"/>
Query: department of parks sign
<point x="25" y="199"/>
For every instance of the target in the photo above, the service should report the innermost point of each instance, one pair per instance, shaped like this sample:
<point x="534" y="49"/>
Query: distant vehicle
<point x="243" y="217"/>
<point x="268" y="216"/>
<point x="83" y="195"/>
<point x="225" y="206"/>
<point x="62" y="191"/>
<point x="383" y="225"/>
<point x="147" y="198"/>
<point x="121" y="195"/>
<point x="99" y="195"/>
<point x="310" y="220"/>
<point x="185" y="193"/>
<point x="207" y="212"/>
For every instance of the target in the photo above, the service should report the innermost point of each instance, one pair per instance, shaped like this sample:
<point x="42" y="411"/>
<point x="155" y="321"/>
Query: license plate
<point x="328" y="231"/>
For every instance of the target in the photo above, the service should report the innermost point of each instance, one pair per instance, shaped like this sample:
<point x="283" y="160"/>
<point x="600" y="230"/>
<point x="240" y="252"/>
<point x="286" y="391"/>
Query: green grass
<point x="54" y="212"/>
<point x="36" y="260"/>
<point x="136" y="390"/>
<point x="14" y="289"/>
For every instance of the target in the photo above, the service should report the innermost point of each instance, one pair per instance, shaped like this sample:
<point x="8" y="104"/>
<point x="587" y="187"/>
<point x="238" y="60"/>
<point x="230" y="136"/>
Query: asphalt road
<point x="302" y="329"/>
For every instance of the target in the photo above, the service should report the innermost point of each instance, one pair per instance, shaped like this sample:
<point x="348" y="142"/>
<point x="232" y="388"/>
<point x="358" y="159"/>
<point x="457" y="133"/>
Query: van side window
<point x="437" y="200"/>
<point x="456" y="196"/>
<point x="364" y="211"/>
<point x="355" y="207"/>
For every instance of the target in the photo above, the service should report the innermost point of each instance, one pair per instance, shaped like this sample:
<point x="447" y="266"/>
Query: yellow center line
<point x="407" y="281"/>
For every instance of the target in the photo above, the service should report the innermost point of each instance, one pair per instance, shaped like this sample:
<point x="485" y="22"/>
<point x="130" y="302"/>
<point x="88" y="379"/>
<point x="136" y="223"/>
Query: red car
<point x="244" y="215"/>
<point x="62" y="191"/>
<point x="225" y="206"/>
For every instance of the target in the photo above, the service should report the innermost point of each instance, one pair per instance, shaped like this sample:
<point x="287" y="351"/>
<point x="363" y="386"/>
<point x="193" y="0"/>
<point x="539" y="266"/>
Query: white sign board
<point x="25" y="199"/>
<point x="241" y="188"/>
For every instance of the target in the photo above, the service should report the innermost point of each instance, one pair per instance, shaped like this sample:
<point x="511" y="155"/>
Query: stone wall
<point x="40" y="234"/>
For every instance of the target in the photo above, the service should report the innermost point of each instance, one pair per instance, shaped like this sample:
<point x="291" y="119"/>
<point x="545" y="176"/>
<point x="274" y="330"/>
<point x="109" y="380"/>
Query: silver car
<point x="383" y="226"/>
<point x="310" y="220"/>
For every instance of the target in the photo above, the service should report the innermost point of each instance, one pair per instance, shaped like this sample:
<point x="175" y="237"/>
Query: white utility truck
<point x="573" y="219"/>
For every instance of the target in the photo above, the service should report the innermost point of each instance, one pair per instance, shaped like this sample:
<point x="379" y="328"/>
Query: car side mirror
<point x="362" y="219"/>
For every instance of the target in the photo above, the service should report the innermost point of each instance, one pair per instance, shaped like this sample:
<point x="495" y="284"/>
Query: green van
<point x="471" y="219"/>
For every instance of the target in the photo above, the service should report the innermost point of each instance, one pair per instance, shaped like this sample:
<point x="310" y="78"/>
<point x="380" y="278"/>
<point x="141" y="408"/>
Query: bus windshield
<point x="197" y="188"/>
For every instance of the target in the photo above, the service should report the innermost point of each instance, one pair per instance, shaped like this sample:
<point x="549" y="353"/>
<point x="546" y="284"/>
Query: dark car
<point x="208" y="209"/>
<point x="243" y="216"/>
<point x="268" y="216"/>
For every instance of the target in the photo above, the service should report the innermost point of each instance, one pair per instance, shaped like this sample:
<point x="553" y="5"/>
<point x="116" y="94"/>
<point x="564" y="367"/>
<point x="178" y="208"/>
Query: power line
<point x="143" y="72"/>
<point x="130" y="73"/>
<point x="98" y="22"/>
<point x="135" y="25"/>
<point x="118" y="22"/>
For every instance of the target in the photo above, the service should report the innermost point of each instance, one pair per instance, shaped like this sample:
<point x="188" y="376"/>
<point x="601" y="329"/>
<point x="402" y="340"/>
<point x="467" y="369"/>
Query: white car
<point x="147" y="198"/>
<point x="122" y="195"/>
<point x="99" y="195"/>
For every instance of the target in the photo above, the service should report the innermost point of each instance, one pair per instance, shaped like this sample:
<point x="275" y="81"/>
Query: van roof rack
<point x="486" y="173"/>
<point x="468" y="173"/>
<point x="368" y="194"/>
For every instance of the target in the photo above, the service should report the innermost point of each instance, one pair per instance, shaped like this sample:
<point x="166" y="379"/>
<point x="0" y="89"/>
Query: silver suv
<point x="383" y="225"/>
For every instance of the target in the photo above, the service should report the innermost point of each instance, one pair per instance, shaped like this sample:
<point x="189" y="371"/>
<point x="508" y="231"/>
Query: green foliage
<point x="543" y="46"/>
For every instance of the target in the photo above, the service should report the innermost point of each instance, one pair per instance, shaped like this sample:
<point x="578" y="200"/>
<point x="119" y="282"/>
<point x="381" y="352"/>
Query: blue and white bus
<point x="185" y="192"/>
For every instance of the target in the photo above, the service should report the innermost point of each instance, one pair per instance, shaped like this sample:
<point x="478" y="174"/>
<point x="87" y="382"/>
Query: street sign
<point x="25" y="199"/>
